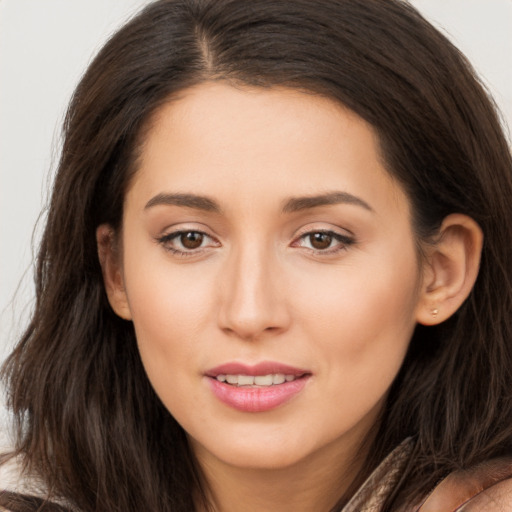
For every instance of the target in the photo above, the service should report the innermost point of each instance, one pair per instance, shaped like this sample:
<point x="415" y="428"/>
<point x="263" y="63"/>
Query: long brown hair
<point x="88" y="420"/>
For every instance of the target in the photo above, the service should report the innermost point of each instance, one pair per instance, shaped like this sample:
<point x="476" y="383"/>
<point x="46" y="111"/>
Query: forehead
<point x="240" y="141"/>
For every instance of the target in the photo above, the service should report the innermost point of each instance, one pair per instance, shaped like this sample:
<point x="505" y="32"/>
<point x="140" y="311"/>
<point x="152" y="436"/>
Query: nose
<point x="253" y="301"/>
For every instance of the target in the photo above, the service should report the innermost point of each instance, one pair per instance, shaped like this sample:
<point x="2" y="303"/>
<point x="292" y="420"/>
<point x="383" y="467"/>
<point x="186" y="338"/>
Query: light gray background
<point x="45" y="46"/>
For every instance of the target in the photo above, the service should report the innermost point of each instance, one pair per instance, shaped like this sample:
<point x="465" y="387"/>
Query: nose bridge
<point x="252" y="302"/>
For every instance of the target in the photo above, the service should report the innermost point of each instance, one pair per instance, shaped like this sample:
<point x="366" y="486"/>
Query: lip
<point x="256" y="399"/>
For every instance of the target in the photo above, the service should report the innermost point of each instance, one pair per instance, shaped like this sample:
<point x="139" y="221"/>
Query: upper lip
<point x="263" y="368"/>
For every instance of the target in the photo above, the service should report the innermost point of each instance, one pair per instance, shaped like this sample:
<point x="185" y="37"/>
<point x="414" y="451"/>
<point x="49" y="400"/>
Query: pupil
<point x="321" y="240"/>
<point x="191" y="240"/>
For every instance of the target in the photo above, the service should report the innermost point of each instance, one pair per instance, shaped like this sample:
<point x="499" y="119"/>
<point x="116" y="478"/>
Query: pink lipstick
<point x="256" y="388"/>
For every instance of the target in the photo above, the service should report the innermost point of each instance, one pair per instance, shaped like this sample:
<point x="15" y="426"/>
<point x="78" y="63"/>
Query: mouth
<point x="256" y="388"/>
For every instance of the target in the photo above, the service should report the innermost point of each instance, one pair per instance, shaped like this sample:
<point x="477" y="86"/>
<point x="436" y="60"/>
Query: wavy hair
<point x="88" y="422"/>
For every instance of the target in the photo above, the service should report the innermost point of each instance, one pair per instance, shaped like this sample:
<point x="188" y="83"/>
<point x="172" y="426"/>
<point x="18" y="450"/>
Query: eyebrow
<point x="296" y="204"/>
<point x="187" y="200"/>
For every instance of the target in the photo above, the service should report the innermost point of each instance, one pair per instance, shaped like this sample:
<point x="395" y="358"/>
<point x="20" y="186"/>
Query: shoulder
<point x="22" y="492"/>
<point x="485" y="487"/>
<point x="14" y="485"/>
<point x="497" y="498"/>
<point x="15" y="480"/>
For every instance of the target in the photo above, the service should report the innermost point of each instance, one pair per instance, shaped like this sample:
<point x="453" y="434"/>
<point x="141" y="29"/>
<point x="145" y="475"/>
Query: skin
<point x="258" y="288"/>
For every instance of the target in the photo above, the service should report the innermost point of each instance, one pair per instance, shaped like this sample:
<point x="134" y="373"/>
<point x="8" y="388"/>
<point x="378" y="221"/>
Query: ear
<point x="451" y="269"/>
<point x="111" y="267"/>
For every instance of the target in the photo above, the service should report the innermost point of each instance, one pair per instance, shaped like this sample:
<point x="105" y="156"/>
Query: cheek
<point x="358" y="335"/>
<point x="169" y="308"/>
<point x="164" y="297"/>
<point x="362" y="319"/>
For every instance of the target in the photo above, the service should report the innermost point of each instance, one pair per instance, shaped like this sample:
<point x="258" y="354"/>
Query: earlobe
<point x="112" y="271"/>
<point x="451" y="269"/>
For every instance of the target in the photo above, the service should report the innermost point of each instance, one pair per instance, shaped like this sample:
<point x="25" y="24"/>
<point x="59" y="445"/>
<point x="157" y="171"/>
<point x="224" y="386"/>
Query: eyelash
<point x="344" y="242"/>
<point x="166" y="241"/>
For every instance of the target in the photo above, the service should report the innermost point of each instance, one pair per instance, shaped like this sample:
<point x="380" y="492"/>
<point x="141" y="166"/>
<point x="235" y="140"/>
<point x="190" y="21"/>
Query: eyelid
<point x="165" y="241"/>
<point x="324" y="227"/>
<point x="343" y="236"/>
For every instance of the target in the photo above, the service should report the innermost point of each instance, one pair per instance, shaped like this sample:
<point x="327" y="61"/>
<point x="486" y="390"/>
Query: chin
<point x="270" y="452"/>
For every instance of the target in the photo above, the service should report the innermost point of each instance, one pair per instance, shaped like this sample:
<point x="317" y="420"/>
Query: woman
<point x="275" y="272"/>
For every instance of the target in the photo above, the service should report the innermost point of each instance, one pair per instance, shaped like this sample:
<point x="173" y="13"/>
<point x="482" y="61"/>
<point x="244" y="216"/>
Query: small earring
<point x="434" y="312"/>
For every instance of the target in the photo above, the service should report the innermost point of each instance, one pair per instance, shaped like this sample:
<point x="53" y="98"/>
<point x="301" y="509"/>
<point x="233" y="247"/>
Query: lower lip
<point x="256" y="399"/>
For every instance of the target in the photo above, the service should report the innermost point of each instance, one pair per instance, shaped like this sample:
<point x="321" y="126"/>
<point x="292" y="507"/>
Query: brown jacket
<point x="484" y="488"/>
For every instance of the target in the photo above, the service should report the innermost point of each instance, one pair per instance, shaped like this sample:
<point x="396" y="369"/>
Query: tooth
<point x="245" y="380"/>
<point x="259" y="380"/>
<point x="263" y="380"/>
<point x="232" y="379"/>
<point x="278" y="378"/>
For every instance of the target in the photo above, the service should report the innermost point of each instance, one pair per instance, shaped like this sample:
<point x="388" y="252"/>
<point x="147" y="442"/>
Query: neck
<point x="317" y="483"/>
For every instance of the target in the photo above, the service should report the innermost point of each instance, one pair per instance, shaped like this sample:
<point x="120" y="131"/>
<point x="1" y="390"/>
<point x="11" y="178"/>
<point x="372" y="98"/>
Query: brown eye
<point x="187" y="243"/>
<point x="320" y="241"/>
<point x="191" y="239"/>
<point x="324" y="242"/>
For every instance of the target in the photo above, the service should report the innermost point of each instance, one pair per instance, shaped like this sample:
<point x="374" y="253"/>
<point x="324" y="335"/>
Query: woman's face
<point x="270" y="270"/>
